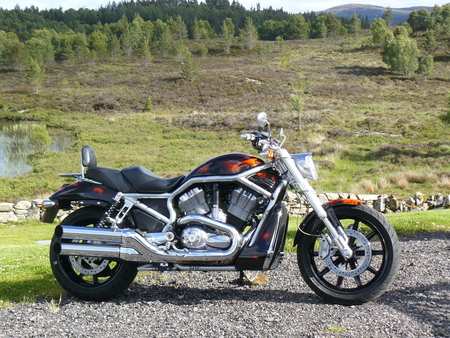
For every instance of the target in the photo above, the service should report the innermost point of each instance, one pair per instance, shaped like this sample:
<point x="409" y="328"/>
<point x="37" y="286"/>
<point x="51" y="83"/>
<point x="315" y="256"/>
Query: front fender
<point x="82" y="192"/>
<point x="312" y="217"/>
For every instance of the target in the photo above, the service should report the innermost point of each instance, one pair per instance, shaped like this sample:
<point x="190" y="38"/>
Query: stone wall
<point x="26" y="210"/>
<point x="21" y="211"/>
<point x="382" y="203"/>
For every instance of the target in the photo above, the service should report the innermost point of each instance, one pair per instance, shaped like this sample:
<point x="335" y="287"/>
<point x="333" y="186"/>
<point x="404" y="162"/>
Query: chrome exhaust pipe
<point x="129" y="245"/>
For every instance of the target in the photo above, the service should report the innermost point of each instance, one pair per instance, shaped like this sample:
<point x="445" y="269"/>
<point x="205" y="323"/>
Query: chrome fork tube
<point x="338" y="236"/>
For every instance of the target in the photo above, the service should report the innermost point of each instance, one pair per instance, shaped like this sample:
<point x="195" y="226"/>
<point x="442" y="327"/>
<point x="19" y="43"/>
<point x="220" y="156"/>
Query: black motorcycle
<point x="226" y="215"/>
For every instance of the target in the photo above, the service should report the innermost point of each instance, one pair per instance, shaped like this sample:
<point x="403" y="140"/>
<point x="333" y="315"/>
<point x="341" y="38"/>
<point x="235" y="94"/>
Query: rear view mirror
<point x="262" y="119"/>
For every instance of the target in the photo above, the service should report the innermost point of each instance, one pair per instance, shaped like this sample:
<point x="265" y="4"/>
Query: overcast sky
<point x="292" y="6"/>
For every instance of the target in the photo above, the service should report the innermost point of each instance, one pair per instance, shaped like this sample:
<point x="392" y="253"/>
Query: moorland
<point x="370" y="129"/>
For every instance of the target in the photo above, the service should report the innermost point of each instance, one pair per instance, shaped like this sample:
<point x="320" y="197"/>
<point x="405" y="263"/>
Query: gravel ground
<point x="198" y="304"/>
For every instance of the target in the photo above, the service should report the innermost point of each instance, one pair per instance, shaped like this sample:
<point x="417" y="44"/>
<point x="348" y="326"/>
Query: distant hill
<point x="399" y="15"/>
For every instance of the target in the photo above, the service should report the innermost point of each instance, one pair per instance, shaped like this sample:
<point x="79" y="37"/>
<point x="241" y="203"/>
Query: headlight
<point x="306" y="165"/>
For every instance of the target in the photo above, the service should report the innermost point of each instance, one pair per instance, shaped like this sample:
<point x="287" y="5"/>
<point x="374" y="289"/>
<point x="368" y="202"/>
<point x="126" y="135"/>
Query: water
<point x="15" y="146"/>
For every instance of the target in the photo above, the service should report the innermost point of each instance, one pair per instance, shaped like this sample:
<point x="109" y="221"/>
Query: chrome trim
<point x="46" y="204"/>
<point x="147" y="196"/>
<point x="242" y="178"/>
<point x="129" y="245"/>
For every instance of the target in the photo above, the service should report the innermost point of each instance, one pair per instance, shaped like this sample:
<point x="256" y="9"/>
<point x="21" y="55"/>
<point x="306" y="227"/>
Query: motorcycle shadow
<point x="188" y="288"/>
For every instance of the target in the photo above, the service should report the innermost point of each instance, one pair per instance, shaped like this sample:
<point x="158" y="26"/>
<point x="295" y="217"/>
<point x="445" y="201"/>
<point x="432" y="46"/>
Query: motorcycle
<point x="226" y="215"/>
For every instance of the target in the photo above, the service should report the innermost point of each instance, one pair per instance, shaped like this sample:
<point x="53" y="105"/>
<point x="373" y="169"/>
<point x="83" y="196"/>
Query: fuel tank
<point x="228" y="164"/>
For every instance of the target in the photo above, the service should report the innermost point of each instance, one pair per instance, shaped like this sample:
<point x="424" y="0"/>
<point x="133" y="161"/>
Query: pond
<point x="16" y="144"/>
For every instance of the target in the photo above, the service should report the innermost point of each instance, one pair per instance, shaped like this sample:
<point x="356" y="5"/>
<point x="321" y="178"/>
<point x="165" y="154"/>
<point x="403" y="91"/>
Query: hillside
<point x="370" y="129"/>
<point x="400" y="15"/>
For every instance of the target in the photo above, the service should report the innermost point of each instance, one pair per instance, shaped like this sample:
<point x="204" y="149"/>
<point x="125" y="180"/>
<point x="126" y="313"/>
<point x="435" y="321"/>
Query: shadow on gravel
<point x="179" y="295"/>
<point x="429" y="304"/>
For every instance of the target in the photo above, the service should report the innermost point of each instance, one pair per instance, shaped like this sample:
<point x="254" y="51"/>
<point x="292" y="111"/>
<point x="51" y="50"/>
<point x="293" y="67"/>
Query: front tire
<point x="90" y="278"/>
<point x="363" y="277"/>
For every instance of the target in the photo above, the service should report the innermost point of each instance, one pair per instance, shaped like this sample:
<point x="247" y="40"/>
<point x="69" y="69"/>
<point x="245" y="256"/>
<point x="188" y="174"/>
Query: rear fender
<point x="81" y="192"/>
<point x="312" y="217"/>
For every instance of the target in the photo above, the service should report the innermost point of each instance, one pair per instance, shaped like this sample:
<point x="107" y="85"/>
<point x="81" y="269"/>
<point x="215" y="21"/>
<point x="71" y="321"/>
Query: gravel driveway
<point x="198" y="304"/>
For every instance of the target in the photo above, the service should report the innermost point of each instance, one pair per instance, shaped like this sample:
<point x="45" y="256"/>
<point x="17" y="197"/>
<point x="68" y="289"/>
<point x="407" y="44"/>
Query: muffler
<point x="129" y="245"/>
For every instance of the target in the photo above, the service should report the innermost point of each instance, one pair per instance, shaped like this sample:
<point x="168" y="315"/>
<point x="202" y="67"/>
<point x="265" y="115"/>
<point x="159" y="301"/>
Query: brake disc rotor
<point x="358" y="263"/>
<point x="88" y="265"/>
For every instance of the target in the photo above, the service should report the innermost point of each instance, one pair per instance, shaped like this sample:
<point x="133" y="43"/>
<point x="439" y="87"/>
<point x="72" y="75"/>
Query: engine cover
<point x="198" y="238"/>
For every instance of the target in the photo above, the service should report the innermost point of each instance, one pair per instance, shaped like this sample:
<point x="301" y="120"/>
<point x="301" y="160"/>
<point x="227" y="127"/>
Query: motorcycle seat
<point x="112" y="178"/>
<point x="143" y="180"/>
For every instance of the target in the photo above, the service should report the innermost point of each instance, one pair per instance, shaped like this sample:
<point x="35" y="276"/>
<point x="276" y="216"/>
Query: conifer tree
<point x="227" y="34"/>
<point x="387" y="16"/>
<point x="145" y="54"/>
<point x="189" y="67"/>
<point x="249" y="34"/>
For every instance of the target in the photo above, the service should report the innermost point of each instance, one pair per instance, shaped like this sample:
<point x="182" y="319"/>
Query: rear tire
<point x="366" y="275"/>
<point x="90" y="278"/>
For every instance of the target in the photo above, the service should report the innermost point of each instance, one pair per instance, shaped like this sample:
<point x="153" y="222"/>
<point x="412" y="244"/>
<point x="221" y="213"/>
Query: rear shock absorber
<point x="107" y="215"/>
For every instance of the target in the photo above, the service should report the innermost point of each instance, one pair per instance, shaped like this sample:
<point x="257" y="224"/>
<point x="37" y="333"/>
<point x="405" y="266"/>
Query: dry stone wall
<point x="32" y="210"/>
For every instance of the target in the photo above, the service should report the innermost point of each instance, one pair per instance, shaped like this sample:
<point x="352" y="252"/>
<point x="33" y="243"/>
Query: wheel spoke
<point x="372" y="270"/>
<point x="339" y="282"/>
<point x="358" y="281"/>
<point x="95" y="279"/>
<point x="324" y="271"/>
<point x="371" y="235"/>
<point x="377" y="252"/>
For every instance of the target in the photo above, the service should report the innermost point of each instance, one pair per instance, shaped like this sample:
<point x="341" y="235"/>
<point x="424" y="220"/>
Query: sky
<point x="292" y="6"/>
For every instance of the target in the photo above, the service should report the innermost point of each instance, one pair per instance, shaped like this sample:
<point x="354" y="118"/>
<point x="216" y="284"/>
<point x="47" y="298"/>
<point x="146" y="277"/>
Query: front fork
<point x="337" y="235"/>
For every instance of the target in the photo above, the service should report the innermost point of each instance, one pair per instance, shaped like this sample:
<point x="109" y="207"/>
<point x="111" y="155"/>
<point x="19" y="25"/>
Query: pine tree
<point x="145" y="55"/>
<point x="227" y="34"/>
<point x="387" y="16"/>
<point x="35" y="75"/>
<point x="249" y="34"/>
<point x="189" y="67"/>
<point x="355" y="26"/>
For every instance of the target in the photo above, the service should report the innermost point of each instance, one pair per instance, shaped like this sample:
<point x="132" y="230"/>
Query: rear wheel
<point x="363" y="277"/>
<point x="90" y="278"/>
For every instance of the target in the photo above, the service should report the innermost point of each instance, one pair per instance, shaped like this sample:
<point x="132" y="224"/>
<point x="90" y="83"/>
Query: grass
<point x="25" y="273"/>
<point x="362" y="122"/>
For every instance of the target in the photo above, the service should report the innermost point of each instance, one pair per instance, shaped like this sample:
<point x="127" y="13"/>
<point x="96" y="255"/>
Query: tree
<point x="189" y="67"/>
<point x="249" y="34"/>
<point x="136" y="33"/>
<point x="426" y="66"/>
<point x="379" y="31"/>
<point x="114" y="47"/>
<point x="401" y="53"/>
<point x="227" y="34"/>
<point x="145" y="55"/>
<point x="355" y="26"/>
<point x="262" y="52"/>
<point x="297" y="104"/>
<point x="430" y="44"/>
<point x="35" y="75"/>
<point x="387" y="16"/>
<point x="67" y="52"/>
<point x="98" y="42"/>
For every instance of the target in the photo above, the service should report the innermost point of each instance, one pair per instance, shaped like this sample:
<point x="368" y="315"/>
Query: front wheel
<point x="90" y="278"/>
<point x="363" y="277"/>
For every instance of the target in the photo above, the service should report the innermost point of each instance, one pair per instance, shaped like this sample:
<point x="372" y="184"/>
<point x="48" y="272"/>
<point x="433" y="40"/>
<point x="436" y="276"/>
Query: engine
<point x="232" y="205"/>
